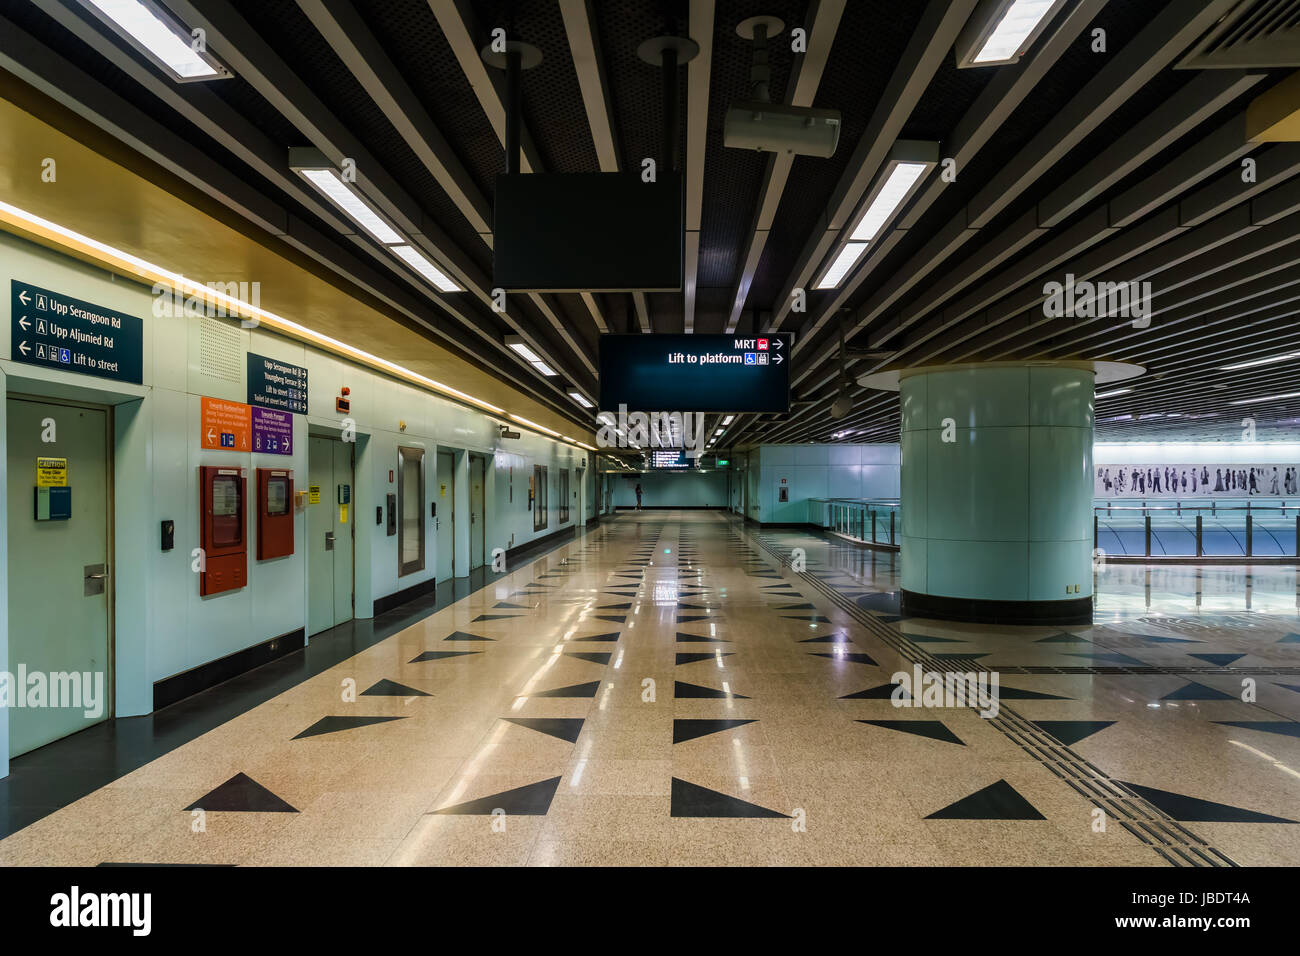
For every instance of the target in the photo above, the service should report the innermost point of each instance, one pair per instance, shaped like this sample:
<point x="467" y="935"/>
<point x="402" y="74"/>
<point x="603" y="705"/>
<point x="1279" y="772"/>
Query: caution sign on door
<point x="51" y="472"/>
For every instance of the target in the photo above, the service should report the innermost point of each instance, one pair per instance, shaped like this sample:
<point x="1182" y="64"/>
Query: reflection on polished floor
<point x="667" y="690"/>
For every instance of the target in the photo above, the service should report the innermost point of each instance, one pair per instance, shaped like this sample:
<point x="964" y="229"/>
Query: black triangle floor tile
<point x="1062" y="638"/>
<point x="685" y="729"/>
<point x="607" y="638"/>
<point x="828" y="639"/>
<point x="496" y="617"/>
<point x="696" y="692"/>
<point x="1187" y="809"/>
<point x="332" y="725"/>
<point x="1195" y="691"/>
<point x="934" y="729"/>
<point x="883" y="692"/>
<point x="927" y="639"/>
<point x="1071" y="731"/>
<point x="572" y="690"/>
<point x="695" y="639"/>
<point x="241" y="794"/>
<point x="688" y="619"/>
<point x="1287" y="728"/>
<point x="855" y="657"/>
<point x="796" y="607"/>
<point x="465" y="636"/>
<point x="612" y="618"/>
<point x="1292" y="687"/>
<point x="1111" y="657"/>
<point x="595" y="657"/>
<point x="532" y="800"/>
<point x="693" y="656"/>
<point x="1015" y="693"/>
<point x="506" y="605"/>
<point x="692" y="800"/>
<point x="997" y="801"/>
<point x="1218" y="660"/>
<point x="615" y="607"/>
<point x="814" y="618"/>
<point x="390" y="688"/>
<point x="565" y="728"/>
<point x="440" y="655"/>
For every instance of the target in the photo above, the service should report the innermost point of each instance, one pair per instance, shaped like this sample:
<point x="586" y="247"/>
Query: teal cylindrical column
<point x="997" y="493"/>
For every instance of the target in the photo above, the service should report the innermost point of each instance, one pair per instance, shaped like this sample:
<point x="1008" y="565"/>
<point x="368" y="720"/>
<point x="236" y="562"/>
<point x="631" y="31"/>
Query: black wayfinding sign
<point x="695" y="373"/>
<point x="59" y="332"/>
<point x="276" y="384"/>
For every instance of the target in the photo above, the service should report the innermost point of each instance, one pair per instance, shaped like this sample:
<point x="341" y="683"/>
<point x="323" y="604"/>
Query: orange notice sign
<point x="225" y="425"/>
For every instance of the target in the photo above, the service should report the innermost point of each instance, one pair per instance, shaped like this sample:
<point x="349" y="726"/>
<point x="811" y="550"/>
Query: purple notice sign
<point x="272" y="431"/>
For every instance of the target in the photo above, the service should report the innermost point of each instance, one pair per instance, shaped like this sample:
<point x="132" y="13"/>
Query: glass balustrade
<point x="875" y="521"/>
<point x="1225" y="527"/>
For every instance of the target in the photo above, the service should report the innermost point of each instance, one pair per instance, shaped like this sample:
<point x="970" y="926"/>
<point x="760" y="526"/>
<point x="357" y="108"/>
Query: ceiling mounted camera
<point x="760" y="124"/>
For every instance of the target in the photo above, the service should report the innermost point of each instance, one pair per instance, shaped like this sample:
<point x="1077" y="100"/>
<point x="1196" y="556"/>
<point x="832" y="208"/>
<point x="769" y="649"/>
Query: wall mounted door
<point x="444" y="523"/>
<point x="330" y="520"/>
<point x="410" y="510"/>
<point x="60" y="576"/>
<point x="477" y="510"/>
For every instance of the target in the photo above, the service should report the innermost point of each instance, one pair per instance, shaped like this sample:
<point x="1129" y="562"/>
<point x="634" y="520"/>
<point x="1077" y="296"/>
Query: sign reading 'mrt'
<point x="59" y="332"/>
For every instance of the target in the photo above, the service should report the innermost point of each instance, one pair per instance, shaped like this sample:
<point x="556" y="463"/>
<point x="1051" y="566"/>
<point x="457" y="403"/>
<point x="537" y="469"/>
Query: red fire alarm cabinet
<point x="224" y="537"/>
<point x="274" y="513"/>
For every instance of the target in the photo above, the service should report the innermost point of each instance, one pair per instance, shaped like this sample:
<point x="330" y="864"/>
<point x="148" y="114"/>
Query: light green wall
<point x="1004" y="511"/>
<point x="162" y="626"/>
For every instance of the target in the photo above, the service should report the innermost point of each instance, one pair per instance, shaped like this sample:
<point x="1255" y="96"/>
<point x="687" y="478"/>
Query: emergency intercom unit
<point x="392" y="515"/>
<point x="274" y="513"/>
<point x="223" y="529"/>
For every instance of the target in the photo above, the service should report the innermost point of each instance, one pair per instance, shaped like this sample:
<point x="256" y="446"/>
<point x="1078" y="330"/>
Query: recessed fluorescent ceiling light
<point x="329" y="183"/>
<point x="1264" y="361"/>
<point x="1014" y="29"/>
<point x="899" y="183"/>
<point x="1266" y="398"/>
<point x="528" y="355"/>
<point x="727" y="420"/>
<point x="845" y="261"/>
<point x="580" y="399"/>
<point x="424" y="267"/>
<point x="132" y="264"/>
<point x="1112" y="394"/>
<point x="157" y="38"/>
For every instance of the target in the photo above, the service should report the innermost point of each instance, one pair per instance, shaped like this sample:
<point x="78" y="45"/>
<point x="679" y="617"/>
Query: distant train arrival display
<point x="695" y="373"/>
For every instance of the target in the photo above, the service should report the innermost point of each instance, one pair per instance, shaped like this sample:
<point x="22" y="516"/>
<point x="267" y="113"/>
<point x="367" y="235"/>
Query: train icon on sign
<point x="762" y="345"/>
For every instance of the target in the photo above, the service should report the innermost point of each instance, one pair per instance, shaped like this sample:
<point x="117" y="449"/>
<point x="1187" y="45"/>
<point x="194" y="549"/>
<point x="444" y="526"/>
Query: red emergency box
<point x="274" y="513"/>
<point x="224" y="529"/>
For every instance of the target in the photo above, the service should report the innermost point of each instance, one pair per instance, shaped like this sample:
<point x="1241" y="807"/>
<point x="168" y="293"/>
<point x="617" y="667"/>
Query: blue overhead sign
<point x="276" y="384"/>
<point x="695" y="373"/>
<point x="56" y="331"/>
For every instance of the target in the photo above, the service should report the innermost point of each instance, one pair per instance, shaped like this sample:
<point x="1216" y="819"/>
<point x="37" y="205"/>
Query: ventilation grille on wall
<point x="1257" y="34"/>
<point x="220" y="351"/>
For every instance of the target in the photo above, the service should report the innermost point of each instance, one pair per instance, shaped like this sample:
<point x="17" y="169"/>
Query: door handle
<point x="329" y="540"/>
<point x="93" y="576"/>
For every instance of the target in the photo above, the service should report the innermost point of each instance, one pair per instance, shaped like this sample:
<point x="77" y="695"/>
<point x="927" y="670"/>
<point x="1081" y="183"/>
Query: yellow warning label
<point x="343" y="514"/>
<point x="51" y="472"/>
<point x="442" y="492"/>
<point x="313" y="494"/>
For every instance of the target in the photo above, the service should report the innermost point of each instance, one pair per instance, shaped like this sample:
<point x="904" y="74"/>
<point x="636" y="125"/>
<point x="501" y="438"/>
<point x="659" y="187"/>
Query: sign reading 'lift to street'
<point x="60" y="332"/>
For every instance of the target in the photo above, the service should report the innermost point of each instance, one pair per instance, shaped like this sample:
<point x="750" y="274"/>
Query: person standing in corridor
<point x="638" y="496"/>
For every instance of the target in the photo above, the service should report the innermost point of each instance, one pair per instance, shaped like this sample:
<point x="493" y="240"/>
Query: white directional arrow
<point x="22" y="347"/>
<point x="777" y="344"/>
<point x="212" y="436"/>
<point x="777" y="359"/>
<point x="23" y="323"/>
<point x="22" y="297"/>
